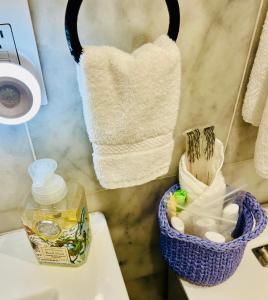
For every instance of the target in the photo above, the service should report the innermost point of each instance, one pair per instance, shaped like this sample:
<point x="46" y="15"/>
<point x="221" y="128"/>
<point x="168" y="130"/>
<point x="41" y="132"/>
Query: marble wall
<point x="214" y="41"/>
<point x="239" y="157"/>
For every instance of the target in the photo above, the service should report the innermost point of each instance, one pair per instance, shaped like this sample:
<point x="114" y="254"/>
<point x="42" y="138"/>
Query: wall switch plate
<point x="8" y="50"/>
<point x="17" y="39"/>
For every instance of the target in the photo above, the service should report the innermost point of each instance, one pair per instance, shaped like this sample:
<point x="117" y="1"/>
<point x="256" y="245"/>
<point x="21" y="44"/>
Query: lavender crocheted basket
<point x="204" y="262"/>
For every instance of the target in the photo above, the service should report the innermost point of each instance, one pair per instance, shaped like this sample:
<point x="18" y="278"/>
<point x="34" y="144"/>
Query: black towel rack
<point x="71" y="17"/>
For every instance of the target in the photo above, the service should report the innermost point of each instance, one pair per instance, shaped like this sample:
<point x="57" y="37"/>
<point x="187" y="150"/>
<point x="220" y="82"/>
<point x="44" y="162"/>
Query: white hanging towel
<point x="203" y="199"/>
<point x="255" y="107"/>
<point x="130" y="105"/>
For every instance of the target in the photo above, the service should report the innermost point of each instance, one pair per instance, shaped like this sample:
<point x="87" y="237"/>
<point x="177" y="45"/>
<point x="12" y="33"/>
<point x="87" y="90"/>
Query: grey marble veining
<point x="214" y="41"/>
<point x="241" y="145"/>
<point x="239" y="156"/>
<point x="132" y="218"/>
<point x="14" y="159"/>
<point x="150" y="287"/>
<point x="241" y="142"/>
<point x="242" y="174"/>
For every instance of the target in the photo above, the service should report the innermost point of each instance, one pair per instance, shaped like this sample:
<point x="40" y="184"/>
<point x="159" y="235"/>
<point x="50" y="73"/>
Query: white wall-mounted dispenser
<point x="20" y="94"/>
<point x="22" y="89"/>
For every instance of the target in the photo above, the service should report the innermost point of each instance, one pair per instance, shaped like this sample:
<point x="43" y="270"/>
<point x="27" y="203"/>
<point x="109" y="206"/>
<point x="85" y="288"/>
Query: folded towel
<point x="130" y="105"/>
<point x="202" y="197"/>
<point x="255" y="107"/>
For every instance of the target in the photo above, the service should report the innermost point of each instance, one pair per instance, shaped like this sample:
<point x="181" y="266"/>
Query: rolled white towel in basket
<point x="255" y="107"/>
<point x="130" y="105"/>
<point x="200" y="195"/>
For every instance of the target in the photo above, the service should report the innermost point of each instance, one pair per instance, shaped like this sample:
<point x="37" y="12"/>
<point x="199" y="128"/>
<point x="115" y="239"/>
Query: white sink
<point x="22" y="278"/>
<point x="46" y="294"/>
<point x="248" y="282"/>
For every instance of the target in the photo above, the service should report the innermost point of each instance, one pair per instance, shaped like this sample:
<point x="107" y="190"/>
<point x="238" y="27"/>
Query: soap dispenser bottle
<point x="55" y="217"/>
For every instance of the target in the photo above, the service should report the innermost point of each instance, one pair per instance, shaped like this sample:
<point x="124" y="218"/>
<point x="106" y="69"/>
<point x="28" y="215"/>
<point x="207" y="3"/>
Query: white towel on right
<point x="255" y="107"/>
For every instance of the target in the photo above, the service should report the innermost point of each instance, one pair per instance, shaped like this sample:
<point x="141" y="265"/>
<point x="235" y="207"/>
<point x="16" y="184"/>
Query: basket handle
<point x="258" y="214"/>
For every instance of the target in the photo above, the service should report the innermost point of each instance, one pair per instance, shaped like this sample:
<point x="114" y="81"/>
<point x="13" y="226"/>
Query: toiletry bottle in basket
<point x="56" y="217"/>
<point x="230" y="212"/>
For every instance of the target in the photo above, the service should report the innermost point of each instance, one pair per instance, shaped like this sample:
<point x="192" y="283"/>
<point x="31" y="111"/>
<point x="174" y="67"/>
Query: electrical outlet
<point x="8" y="49"/>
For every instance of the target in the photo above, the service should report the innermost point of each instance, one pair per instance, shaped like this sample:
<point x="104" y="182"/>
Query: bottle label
<point x="69" y="248"/>
<point x="52" y="255"/>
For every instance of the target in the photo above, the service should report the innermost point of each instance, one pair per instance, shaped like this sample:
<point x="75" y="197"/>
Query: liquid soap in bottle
<point x="56" y="217"/>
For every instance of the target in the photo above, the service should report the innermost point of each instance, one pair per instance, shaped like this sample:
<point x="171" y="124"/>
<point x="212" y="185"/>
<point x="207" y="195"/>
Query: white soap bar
<point x="177" y="224"/>
<point x="214" y="237"/>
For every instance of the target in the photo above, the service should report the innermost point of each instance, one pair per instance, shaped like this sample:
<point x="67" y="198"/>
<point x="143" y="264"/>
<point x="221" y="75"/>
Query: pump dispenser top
<point x="47" y="188"/>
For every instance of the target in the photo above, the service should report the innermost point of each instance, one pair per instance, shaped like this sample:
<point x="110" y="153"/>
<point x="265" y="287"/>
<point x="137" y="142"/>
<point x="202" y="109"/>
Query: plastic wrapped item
<point x="176" y="202"/>
<point x="214" y="237"/>
<point x="177" y="224"/>
<point x="229" y="212"/>
<point x="203" y="225"/>
<point x="202" y="220"/>
<point x="201" y="261"/>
